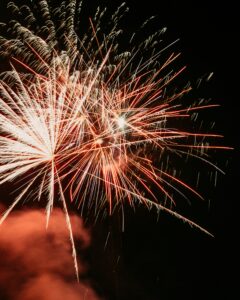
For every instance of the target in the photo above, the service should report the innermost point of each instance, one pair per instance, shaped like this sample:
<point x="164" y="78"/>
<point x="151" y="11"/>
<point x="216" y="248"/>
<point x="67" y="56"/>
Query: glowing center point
<point x="49" y="156"/>
<point x="99" y="141"/>
<point x="121" y="122"/>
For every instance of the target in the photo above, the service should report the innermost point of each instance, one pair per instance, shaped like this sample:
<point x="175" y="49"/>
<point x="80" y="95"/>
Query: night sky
<point x="159" y="257"/>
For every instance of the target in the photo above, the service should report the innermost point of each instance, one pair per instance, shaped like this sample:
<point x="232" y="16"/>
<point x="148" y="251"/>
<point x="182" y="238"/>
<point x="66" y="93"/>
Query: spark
<point x="89" y="123"/>
<point x="121" y="122"/>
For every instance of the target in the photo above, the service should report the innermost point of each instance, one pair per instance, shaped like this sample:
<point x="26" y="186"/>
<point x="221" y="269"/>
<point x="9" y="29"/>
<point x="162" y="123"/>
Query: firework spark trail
<point x="31" y="139"/>
<point x="97" y="135"/>
<point x="90" y="120"/>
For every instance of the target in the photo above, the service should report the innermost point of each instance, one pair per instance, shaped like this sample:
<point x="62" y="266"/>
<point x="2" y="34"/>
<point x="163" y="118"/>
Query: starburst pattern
<point x="90" y="120"/>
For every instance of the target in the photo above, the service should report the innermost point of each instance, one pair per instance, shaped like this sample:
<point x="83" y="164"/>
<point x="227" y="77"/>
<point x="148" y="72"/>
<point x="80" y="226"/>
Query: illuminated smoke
<point x="37" y="263"/>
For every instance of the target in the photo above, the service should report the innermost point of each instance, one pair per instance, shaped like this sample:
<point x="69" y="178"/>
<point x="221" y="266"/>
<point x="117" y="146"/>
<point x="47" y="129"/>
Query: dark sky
<point x="166" y="259"/>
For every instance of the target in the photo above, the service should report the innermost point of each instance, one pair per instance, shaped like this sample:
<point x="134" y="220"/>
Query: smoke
<point x="36" y="263"/>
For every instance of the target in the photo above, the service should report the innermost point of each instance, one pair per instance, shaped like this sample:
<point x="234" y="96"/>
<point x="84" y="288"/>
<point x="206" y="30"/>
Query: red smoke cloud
<point x="36" y="263"/>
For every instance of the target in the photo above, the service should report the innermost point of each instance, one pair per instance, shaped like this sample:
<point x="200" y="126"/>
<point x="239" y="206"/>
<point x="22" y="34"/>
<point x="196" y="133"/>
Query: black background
<point x="167" y="259"/>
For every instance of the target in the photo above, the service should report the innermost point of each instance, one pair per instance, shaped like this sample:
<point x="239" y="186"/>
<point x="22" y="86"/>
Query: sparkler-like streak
<point x="90" y="120"/>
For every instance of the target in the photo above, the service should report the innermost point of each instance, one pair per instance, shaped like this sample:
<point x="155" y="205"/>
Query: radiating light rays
<point x="32" y="118"/>
<point x="103" y="138"/>
<point x="88" y="123"/>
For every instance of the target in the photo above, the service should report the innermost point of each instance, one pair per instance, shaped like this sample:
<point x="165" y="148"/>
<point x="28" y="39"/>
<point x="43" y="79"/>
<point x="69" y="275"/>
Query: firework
<point x="88" y="119"/>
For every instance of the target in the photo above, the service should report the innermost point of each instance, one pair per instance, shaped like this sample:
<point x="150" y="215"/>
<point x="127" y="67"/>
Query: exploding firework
<point x="88" y="119"/>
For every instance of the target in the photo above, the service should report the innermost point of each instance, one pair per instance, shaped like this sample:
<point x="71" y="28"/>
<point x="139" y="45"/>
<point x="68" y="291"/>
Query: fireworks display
<point x="83" y="120"/>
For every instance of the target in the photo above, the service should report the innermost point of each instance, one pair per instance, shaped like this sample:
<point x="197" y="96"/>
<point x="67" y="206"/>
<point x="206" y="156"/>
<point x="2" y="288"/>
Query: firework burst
<point x="88" y="119"/>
